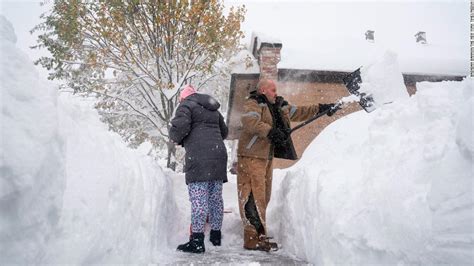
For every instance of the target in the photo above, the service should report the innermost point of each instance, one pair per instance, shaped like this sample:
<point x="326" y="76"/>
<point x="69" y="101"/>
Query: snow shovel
<point x="351" y="82"/>
<point x="318" y="115"/>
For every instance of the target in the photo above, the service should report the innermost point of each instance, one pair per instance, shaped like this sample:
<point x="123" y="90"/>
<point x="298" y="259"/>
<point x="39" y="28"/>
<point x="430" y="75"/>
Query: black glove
<point x="330" y="107"/>
<point x="277" y="136"/>
<point x="280" y="101"/>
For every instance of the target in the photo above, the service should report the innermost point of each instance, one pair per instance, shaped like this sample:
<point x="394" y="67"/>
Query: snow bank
<point x="115" y="205"/>
<point x="31" y="164"/>
<point x="70" y="190"/>
<point x="393" y="186"/>
<point x="465" y="124"/>
<point x="6" y="30"/>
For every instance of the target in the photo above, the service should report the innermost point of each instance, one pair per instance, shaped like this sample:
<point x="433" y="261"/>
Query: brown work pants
<point x="254" y="176"/>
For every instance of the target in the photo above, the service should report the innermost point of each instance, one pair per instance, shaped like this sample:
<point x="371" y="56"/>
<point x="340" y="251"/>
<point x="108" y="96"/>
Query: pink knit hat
<point x="188" y="90"/>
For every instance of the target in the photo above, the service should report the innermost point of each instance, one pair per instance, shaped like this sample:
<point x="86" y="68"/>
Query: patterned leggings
<point x="206" y="200"/>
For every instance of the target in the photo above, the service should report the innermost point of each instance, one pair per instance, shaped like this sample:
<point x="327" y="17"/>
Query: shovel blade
<point x="352" y="83"/>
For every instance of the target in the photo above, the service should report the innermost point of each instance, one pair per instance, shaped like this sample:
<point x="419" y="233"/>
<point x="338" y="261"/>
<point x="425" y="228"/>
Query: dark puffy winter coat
<point x="201" y="129"/>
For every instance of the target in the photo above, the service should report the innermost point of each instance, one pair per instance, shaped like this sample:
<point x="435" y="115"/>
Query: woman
<point x="201" y="129"/>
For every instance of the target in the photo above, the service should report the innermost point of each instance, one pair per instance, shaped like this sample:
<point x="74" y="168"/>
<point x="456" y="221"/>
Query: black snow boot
<point x="215" y="237"/>
<point x="195" y="245"/>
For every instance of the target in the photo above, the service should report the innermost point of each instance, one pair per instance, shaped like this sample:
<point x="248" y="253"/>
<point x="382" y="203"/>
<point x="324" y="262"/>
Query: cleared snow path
<point x="237" y="255"/>
<point x="231" y="250"/>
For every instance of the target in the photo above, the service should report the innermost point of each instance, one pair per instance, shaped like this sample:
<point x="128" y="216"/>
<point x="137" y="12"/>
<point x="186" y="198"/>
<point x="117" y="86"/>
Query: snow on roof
<point x="260" y="38"/>
<point x="318" y="35"/>
<point x="350" y="54"/>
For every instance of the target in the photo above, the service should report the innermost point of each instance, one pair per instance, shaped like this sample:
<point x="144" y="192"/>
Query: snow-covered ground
<point x="390" y="187"/>
<point x="70" y="190"/>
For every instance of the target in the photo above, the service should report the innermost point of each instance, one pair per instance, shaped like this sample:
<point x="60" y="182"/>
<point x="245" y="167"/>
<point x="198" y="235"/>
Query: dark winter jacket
<point x="201" y="129"/>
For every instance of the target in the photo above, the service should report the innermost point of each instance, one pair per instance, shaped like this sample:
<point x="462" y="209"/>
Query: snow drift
<point x="31" y="164"/>
<point x="393" y="186"/>
<point x="116" y="203"/>
<point x="70" y="190"/>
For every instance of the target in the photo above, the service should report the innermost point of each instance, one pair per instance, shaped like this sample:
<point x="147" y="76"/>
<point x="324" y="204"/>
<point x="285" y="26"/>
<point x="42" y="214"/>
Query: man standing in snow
<point x="199" y="127"/>
<point x="265" y="134"/>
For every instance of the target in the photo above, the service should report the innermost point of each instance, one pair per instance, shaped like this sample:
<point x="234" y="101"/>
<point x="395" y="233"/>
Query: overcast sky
<point x="24" y="15"/>
<point x="445" y="22"/>
<point x="330" y="35"/>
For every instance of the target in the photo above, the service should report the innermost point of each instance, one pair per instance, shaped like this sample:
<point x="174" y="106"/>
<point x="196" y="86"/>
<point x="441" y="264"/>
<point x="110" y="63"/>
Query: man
<point x="265" y="134"/>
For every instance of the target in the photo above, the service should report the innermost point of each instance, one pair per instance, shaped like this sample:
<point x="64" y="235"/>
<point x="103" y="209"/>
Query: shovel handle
<point x="318" y="115"/>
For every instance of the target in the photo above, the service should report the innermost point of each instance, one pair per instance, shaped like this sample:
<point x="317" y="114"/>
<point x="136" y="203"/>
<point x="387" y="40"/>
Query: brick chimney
<point x="268" y="55"/>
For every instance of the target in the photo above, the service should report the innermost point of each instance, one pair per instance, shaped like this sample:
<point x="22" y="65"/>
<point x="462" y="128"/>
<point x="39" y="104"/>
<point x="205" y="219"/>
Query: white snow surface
<point x="261" y="37"/>
<point x="70" y="190"/>
<point x="114" y="204"/>
<point x="390" y="187"/>
<point x="31" y="154"/>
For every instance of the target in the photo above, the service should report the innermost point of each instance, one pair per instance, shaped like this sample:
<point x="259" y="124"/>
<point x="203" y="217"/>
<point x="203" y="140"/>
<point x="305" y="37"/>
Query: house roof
<point x="330" y="36"/>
